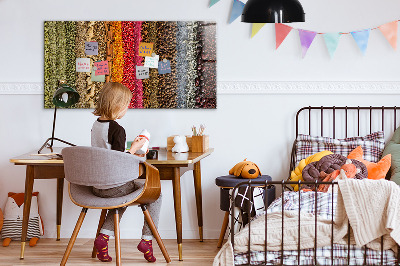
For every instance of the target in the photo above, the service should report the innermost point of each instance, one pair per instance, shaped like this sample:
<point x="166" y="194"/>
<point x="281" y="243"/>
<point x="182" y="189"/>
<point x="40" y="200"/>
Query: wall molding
<point x="21" y="88"/>
<point x="260" y="87"/>
<point x="309" y="87"/>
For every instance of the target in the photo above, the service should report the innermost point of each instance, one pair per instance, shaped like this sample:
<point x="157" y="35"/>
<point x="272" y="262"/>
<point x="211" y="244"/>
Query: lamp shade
<point x="272" y="11"/>
<point x="65" y="96"/>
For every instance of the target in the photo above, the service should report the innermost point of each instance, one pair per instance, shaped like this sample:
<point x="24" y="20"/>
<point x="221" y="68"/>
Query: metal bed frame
<point x="283" y="184"/>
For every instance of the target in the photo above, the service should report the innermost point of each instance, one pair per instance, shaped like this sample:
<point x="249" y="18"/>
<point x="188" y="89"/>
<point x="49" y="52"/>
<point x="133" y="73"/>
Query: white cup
<point x="144" y="134"/>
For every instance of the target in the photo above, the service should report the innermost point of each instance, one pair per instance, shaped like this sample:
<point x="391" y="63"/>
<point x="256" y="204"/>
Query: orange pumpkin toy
<point x="245" y="169"/>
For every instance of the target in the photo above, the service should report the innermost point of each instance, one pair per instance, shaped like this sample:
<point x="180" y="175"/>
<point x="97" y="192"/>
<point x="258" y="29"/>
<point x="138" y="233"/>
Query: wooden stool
<point x="226" y="183"/>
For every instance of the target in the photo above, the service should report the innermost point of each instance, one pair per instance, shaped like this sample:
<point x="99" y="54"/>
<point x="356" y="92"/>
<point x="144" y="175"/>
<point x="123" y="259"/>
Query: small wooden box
<point x="200" y="143"/>
<point x="171" y="143"/>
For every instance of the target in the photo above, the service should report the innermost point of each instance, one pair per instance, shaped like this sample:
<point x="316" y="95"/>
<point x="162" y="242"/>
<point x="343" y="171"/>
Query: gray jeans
<point x="154" y="208"/>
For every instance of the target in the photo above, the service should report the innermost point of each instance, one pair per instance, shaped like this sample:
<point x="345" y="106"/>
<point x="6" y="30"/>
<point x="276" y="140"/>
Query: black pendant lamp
<point x="273" y="11"/>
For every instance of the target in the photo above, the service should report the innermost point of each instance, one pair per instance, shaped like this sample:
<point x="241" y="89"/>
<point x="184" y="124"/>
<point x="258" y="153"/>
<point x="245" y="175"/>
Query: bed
<point x="298" y="227"/>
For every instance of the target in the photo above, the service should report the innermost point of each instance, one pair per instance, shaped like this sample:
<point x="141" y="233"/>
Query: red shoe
<point x="146" y="247"/>
<point x="101" y="245"/>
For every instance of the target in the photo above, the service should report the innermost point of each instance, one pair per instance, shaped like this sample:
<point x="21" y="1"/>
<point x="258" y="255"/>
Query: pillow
<point x="393" y="148"/>
<point x="12" y="224"/>
<point x="372" y="144"/>
<point x="296" y="174"/>
<point x="375" y="170"/>
<point x="329" y="164"/>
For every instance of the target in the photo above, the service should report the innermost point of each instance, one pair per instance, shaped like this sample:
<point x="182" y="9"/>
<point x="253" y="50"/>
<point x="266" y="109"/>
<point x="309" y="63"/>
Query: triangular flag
<point x="281" y="31"/>
<point x="255" y="28"/>
<point x="306" y="39"/>
<point x="390" y="32"/>
<point x="237" y="9"/>
<point x="361" y="37"/>
<point x="213" y="2"/>
<point x="332" y="41"/>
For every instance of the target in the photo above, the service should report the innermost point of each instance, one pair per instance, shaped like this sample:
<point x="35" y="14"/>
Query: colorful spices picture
<point x="166" y="64"/>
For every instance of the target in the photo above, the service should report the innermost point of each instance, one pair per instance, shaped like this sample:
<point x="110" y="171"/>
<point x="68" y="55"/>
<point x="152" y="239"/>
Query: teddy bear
<point x="13" y="215"/>
<point x="245" y="169"/>
<point x="180" y="144"/>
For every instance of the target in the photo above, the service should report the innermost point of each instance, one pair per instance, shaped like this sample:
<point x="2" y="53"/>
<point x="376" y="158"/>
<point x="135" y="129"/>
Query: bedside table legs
<point x="223" y="229"/>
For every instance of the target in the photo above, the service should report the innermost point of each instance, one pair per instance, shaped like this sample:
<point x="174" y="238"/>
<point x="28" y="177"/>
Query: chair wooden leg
<point x="154" y="230"/>
<point x="117" y="239"/>
<point x="101" y="222"/>
<point x="223" y="229"/>
<point x="73" y="237"/>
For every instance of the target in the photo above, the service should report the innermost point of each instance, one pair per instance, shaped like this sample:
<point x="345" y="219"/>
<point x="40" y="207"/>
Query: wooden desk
<point x="40" y="167"/>
<point x="171" y="167"/>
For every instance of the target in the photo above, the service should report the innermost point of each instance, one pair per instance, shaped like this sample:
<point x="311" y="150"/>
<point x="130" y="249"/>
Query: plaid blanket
<point x="323" y="205"/>
<point x="324" y="257"/>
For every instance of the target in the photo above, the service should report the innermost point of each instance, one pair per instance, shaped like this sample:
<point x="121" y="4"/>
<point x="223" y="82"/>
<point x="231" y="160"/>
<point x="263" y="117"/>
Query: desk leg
<point x="199" y="204"/>
<point x="60" y="190"/>
<point x="176" y="182"/>
<point x="27" y="206"/>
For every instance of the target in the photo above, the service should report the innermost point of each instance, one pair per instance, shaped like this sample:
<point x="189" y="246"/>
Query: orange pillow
<point x="375" y="170"/>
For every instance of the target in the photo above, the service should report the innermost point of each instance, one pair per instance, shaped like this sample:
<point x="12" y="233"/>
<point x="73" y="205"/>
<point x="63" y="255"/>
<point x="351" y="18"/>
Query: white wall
<point x="259" y="127"/>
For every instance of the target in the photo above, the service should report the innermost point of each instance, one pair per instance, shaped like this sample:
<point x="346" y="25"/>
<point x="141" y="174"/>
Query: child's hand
<point x="142" y="155"/>
<point x="137" y="144"/>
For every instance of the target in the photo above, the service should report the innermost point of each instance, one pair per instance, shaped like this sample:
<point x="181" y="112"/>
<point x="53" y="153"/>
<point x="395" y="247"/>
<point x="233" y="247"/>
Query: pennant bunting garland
<point x="237" y="9"/>
<point x="332" y="41"/>
<point x="213" y="2"/>
<point x="306" y="39"/>
<point x="255" y="28"/>
<point x="281" y="31"/>
<point x="361" y="38"/>
<point x="389" y="30"/>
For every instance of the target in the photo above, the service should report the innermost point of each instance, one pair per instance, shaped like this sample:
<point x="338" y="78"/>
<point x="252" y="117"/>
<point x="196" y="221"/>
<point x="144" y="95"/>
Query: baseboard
<point x="259" y="87"/>
<point x="136" y="233"/>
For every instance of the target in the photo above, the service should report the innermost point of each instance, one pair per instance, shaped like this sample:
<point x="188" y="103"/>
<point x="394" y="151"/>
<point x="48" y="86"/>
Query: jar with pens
<point x="199" y="140"/>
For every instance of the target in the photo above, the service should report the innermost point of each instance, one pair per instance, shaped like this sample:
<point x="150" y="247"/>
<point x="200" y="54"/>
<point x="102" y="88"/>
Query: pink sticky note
<point x="101" y="68"/>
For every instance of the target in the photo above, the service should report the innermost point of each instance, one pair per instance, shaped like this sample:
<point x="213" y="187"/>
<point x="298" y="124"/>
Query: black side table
<point x="226" y="183"/>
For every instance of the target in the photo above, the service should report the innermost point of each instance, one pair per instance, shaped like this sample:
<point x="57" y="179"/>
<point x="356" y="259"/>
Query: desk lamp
<point x="272" y="11"/>
<point x="64" y="96"/>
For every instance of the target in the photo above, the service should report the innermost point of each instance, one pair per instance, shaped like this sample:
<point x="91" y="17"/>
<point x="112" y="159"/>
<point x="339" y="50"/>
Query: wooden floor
<point x="50" y="252"/>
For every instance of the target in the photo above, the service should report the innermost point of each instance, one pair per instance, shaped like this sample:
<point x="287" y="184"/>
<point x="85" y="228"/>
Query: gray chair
<point x="85" y="167"/>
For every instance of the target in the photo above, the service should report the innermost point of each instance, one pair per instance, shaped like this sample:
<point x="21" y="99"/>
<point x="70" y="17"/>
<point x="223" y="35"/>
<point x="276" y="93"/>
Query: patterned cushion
<point x="372" y="144"/>
<point x="13" y="228"/>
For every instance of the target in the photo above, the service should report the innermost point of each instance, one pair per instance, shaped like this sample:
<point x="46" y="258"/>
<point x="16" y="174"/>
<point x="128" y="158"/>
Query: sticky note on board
<point x="142" y="72"/>
<point x="91" y="48"/>
<point x="151" y="61"/>
<point x="99" y="78"/>
<point x="83" y="65"/>
<point x="101" y="68"/>
<point x="164" y="67"/>
<point x="145" y="49"/>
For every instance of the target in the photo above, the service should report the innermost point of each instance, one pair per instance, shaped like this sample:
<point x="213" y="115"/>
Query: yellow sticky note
<point x="145" y="49"/>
